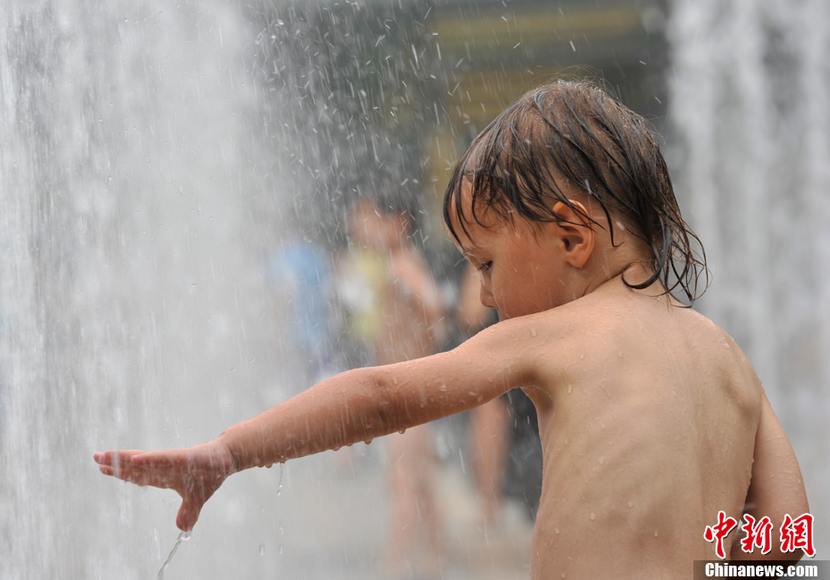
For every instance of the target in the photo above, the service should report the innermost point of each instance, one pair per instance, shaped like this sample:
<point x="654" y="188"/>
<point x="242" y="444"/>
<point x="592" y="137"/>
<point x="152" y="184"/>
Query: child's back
<point x="647" y="414"/>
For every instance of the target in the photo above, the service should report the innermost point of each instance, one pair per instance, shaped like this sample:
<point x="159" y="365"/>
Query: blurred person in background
<point x="412" y="326"/>
<point x="300" y="275"/>
<point x="361" y="275"/>
<point x="395" y="313"/>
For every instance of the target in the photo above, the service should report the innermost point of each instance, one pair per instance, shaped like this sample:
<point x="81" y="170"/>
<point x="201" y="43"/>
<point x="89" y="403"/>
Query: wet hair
<point x="571" y="135"/>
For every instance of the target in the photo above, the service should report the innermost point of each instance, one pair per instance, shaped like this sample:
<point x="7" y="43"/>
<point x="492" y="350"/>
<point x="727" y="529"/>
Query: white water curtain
<point x="750" y="113"/>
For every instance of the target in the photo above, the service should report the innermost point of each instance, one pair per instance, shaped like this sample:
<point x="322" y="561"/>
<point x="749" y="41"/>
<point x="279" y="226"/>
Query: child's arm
<point x="776" y="487"/>
<point x="353" y="406"/>
<point x="364" y="403"/>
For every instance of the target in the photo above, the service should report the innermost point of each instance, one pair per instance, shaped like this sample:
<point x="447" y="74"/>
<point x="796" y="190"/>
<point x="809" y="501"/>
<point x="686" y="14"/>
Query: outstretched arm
<point x="777" y="487"/>
<point x="353" y="406"/>
<point x="361" y="404"/>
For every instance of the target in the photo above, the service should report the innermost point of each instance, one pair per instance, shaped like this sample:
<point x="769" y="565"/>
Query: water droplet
<point x="261" y="549"/>
<point x="630" y="504"/>
<point x="655" y="533"/>
<point x="533" y="332"/>
<point x="601" y="460"/>
<point x="570" y="389"/>
<point x="556" y="531"/>
<point x="593" y="516"/>
<point x="282" y="473"/>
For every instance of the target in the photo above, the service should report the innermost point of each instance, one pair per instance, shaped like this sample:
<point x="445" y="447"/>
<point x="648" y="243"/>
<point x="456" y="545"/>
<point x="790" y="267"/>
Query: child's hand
<point x="195" y="473"/>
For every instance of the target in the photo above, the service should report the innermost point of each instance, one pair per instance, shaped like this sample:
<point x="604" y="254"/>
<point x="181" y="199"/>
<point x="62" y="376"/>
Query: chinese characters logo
<point x="794" y="534"/>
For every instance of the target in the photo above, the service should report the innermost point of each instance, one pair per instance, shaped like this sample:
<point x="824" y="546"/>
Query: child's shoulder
<point x="608" y="325"/>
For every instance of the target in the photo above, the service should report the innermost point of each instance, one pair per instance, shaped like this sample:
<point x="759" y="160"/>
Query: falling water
<point x="183" y="537"/>
<point x="130" y="292"/>
<point x="751" y="110"/>
<point x="142" y="193"/>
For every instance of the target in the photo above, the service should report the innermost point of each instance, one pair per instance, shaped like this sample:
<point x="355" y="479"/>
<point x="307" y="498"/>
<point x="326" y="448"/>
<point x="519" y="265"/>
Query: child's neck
<point x="630" y="272"/>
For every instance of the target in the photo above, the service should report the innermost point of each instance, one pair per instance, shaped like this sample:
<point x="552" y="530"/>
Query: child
<point x="651" y="418"/>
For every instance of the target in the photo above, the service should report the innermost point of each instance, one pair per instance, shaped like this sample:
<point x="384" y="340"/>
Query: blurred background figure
<point x="301" y="277"/>
<point x="361" y="277"/>
<point x="411" y="326"/>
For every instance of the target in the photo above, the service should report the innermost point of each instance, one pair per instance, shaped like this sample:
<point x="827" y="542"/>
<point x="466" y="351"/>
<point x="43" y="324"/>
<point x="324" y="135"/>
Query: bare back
<point x="647" y="416"/>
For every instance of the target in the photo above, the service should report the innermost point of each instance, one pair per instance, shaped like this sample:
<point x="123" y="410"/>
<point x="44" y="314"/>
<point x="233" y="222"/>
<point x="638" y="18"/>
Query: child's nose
<point x="486" y="297"/>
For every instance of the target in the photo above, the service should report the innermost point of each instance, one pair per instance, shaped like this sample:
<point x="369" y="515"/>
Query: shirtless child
<point x="650" y="415"/>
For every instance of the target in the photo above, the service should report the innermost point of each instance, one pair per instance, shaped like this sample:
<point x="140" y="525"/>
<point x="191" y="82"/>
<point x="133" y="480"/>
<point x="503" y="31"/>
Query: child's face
<point x="523" y="270"/>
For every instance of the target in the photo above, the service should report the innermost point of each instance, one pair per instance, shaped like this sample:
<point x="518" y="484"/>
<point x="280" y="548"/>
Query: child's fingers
<point x="120" y="473"/>
<point x="112" y="457"/>
<point x="160" y="459"/>
<point x="139" y="475"/>
<point x="103" y="458"/>
<point x="188" y="513"/>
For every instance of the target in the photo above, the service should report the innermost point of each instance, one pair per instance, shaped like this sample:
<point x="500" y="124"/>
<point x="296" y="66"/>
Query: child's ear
<point x="575" y="232"/>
